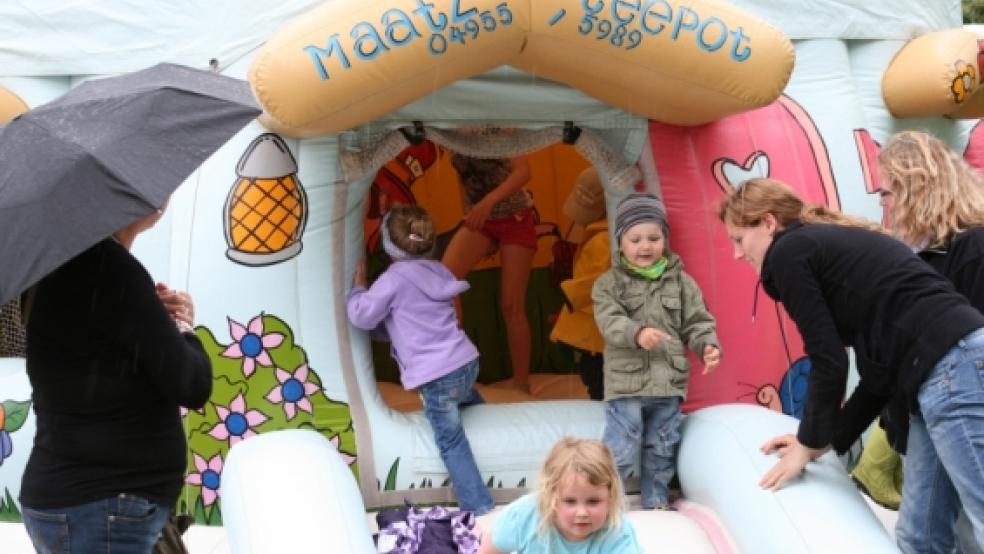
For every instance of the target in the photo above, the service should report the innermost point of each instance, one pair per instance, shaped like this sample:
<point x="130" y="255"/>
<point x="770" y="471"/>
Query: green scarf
<point x="651" y="272"/>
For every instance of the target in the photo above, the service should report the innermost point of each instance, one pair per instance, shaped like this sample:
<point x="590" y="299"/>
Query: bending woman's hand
<point x="793" y="458"/>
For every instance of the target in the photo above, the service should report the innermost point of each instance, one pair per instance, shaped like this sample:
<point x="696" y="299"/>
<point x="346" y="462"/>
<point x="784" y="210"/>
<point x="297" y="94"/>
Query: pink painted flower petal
<point x="233" y="440"/>
<point x="249" y="433"/>
<point x="264" y="358"/>
<point x="275" y="396"/>
<point x="182" y="411"/>
<point x="271" y="340"/>
<point x="233" y="351"/>
<point x="301" y="374"/>
<point x="236" y="330"/>
<point x="194" y="479"/>
<point x="215" y="463"/>
<point x="256" y="325"/>
<point x="200" y="463"/>
<point x="305" y="405"/>
<point x="348" y="459"/>
<point x="222" y="411"/>
<point x="238" y="404"/>
<point x="335" y="439"/>
<point x="248" y="366"/>
<point x="219" y="432"/>
<point x="282" y="374"/>
<point x="311" y="388"/>
<point x="208" y="496"/>
<point x="290" y="410"/>
<point x="255" y="417"/>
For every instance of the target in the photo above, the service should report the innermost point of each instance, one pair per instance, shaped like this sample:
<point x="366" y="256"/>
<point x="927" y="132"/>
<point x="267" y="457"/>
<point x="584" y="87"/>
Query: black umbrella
<point x="107" y="153"/>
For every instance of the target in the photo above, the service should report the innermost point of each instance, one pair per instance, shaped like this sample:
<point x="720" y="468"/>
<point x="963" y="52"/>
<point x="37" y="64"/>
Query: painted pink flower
<point x="346" y="457"/>
<point x="237" y="422"/>
<point x="251" y="344"/>
<point x="293" y="391"/>
<point x="208" y="477"/>
<point x="185" y="411"/>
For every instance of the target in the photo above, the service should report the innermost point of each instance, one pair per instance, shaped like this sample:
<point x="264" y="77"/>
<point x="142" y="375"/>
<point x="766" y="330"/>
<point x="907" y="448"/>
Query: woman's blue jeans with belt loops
<point x="123" y="524"/>
<point x="944" y="462"/>
<point x="443" y="399"/>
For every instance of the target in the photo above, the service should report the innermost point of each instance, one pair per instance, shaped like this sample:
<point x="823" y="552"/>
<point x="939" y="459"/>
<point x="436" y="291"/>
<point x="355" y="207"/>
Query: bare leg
<point x="465" y="250"/>
<point x="516" y="264"/>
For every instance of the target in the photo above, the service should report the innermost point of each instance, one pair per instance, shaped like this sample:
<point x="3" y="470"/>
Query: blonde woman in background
<point x="933" y="201"/>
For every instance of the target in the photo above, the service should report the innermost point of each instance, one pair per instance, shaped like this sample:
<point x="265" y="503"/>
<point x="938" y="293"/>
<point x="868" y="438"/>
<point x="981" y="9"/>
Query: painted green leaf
<point x="16" y="414"/>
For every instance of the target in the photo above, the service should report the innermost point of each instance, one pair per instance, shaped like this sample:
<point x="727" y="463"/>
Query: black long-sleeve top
<point x="846" y="286"/>
<point x="961" y="260"/>
<point x="109" y="370"/>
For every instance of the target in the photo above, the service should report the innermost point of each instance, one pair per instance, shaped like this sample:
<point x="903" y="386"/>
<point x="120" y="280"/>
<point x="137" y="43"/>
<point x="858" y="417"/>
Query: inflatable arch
<point x="266" y="234"/>
<point x="681" y="63"/>
<point x="10" y="105"/>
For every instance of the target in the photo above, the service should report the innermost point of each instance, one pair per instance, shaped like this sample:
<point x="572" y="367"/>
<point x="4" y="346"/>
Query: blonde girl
<point x="577" y="507"/>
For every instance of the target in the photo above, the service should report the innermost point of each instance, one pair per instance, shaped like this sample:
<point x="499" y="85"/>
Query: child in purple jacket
<point x="412" y="300"/>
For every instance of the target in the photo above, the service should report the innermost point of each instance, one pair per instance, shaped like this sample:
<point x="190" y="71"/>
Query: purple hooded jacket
<point x="412" y="299"/>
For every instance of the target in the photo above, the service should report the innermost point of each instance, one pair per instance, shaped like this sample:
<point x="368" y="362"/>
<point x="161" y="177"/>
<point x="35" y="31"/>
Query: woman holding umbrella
<point x="845" y="284"/>
<point x="111" y="357"/>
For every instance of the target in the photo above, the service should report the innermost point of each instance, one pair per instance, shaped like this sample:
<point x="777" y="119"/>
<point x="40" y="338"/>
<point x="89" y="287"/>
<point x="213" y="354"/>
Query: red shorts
<point x="516" y="228"/>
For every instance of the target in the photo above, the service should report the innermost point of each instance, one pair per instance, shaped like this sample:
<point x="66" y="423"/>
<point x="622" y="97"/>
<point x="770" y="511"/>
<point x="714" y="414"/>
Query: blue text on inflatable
<point x="400" y="28"/>
<point x="652" y="17"/>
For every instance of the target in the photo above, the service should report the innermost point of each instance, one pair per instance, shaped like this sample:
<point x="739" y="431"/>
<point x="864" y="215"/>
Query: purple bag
<point x="432" y="531"/>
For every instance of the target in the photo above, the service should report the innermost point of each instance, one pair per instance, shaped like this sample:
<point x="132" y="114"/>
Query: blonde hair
<point x="588" y="458"/>
<point x="936" y="192"/>
<point x="747" y="204"/>
<point x="411" y="229"/>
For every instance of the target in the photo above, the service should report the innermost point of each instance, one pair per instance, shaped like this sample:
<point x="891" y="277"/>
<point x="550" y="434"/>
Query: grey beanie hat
<point x="637" y="208"/>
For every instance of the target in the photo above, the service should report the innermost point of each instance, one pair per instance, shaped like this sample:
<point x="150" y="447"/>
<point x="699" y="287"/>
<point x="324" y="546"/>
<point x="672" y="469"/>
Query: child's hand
<point x="712" y="357"/>
<point x="650" y="337"/>
<point x="359" y="277"/>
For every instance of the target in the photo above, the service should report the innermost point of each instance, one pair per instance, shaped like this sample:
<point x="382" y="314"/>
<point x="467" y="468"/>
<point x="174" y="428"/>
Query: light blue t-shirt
<point x="516" y="531"/>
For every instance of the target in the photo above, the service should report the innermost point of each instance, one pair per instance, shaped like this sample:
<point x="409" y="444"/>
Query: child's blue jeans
<point x="443" y="398"/>
<point x="652" y="422"/>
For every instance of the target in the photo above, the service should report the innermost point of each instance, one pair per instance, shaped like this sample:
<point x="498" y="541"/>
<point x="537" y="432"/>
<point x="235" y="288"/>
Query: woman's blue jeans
<point x="944" y="462"/>
<point x="443" y="399"/>
<point x="652" y="423"/>
<point x="124" y="524"/>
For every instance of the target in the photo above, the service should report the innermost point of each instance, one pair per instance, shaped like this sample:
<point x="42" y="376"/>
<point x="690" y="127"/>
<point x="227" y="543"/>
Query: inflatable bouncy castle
<point x="364" y="103"/>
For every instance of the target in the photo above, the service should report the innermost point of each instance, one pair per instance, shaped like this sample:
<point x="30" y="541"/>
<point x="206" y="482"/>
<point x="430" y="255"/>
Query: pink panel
<point x="696" y="165"/>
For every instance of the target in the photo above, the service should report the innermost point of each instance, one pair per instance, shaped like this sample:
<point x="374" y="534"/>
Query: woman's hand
<point x="359" y="277"/>
<point x="793" y="458"/>
<point x="179" y="306"/>
<point x="650" y="337"/>
<point x="479" y="214"/>
<point x="712" y="357"/>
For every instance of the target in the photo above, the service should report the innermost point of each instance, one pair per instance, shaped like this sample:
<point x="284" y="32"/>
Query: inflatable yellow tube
<point x="10" y="105"/>
<point x="351" y="61"/>
<point x="936" y="74"/>
<point x="684" y="63"/>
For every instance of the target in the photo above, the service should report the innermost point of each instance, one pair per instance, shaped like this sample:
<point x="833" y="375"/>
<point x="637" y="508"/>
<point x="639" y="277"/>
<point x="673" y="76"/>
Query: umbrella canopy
<point x="105" y="154"/>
